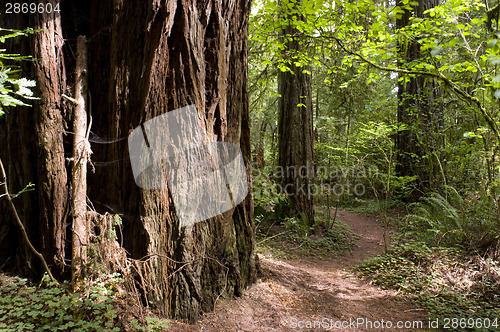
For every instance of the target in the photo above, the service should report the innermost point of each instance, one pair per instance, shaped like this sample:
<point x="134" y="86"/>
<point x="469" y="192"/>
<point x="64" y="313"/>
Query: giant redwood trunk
<point x="420" y="109"/>
<point x="295" y="126"/>
<point x="146" y="58"/>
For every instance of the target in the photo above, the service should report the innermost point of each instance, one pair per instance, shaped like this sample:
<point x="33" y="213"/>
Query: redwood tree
<point x="145" y="58"/>
<point x="295" y="120"/>
<point x="420" y="109"/>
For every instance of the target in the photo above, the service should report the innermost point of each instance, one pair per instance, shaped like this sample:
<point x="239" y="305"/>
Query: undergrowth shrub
<point x="450" y="220"/>
<point x="336" y="239"/>
<point x="269" y="204"/>
<point x="273" y="220"/>
<point x="293" y="239"/>
<point x="55" y="307"/>
<point x="50" y="307"/>
<point x="443" y="281"/>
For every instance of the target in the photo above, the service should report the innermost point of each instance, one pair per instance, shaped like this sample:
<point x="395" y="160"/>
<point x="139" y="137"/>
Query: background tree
<point x="295" y="117"/>
<point x="34" y="149"/>
<point x="420" y="107"/>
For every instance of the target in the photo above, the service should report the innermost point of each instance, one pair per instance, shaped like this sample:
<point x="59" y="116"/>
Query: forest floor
<point x="322" y="290"/>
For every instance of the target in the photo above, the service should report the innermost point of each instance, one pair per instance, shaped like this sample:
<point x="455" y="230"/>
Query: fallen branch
<point x="269" y="238"/>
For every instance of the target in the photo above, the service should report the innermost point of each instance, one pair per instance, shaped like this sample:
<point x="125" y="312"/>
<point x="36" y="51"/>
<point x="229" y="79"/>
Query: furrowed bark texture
<point x="295" y="129"/>
<point x="150" y="58"/>
<point x="34" y="150"/>
<point x="420" y="108"/>
<point x="145" y="58"/>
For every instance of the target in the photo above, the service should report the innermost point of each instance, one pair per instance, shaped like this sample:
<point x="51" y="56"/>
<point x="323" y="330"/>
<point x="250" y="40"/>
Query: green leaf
<point x="475" y="21"/>
<point x="495" y="59"/>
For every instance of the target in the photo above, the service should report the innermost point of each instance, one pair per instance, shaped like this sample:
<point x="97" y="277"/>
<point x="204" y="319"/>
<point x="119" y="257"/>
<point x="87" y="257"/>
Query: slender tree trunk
<point x="420" y="110"/>
<point x="80" y="236"/>
<point x="145" y="58"/>
<point x="295" y="133"/>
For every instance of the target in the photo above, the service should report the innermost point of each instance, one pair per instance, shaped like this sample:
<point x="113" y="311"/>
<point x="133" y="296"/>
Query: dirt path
<point x="295" y="293"/>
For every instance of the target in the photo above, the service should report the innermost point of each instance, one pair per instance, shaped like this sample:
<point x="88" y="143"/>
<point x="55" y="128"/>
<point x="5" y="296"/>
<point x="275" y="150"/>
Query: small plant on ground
<point x="452" y="220"/>
<point x="444" y="281"/>
<point x="292" y="239"/>
<point x="270" y="204"/>
<point x="50" y="306"/>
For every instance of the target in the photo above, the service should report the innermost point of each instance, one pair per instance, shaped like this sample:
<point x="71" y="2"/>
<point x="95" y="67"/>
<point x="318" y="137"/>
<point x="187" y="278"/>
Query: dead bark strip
<point x="81" y="151"/>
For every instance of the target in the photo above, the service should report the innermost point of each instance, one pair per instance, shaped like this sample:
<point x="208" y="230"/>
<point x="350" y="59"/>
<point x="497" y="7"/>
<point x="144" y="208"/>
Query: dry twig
<point x="20" y="224"/>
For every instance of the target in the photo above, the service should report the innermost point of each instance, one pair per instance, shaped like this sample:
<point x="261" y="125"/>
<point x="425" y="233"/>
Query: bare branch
<point x="20" y="224"/>
<point x="438" y="75"/>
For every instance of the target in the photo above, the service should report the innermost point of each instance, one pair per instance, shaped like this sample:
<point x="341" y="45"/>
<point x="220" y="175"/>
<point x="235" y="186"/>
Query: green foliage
<point x="152" y="324"/>
<point x="13" y="89"/>
<point x="365" y="167"/>
<point x="29" y="187"/>
<point x="298" y="225"/>
<point x="353" y="47"/>
<point x="398" y="269"/>
<point x="443" y="281"/>
<point x="269" y="204"/>
<point x="337" y="239"/>
<point x="329" y="236"/>
<point x="54" y="307"/>
<point x="272" y="207"/>
<point x="451" y="220"/>
<point x="51" y="307"/>
<point x="372" y="206"/>
<point x="325" y="238"/>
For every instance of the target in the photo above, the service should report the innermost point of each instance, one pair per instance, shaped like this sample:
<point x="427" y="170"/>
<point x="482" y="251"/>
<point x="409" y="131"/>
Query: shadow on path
<point x="315" y="291"/>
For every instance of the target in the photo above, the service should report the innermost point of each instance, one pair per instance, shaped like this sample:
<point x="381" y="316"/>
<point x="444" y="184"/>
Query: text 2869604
<point x="32" y="8"/>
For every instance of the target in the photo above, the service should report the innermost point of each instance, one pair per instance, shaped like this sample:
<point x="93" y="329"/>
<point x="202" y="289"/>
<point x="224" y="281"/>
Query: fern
<point x="14" y="90"/>
<point x="451" y="219"/>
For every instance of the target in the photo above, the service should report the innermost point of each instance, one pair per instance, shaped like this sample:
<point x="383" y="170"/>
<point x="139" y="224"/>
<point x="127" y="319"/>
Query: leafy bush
<point x="270" y="204"/>
<point x="443" y="281"/>
<point x="298" y="225"/>
<point x="291" y="245"/>
<point x="338" y="238"/>
<point x="452" y="220"/>
<point x="54" y="307"/>
<point x="298" y="239"/>
<point x="13" y="89"/>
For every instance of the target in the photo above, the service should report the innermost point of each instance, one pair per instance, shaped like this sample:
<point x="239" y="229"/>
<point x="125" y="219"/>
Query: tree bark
<point x="188" y="53"/>
<point x="420" y="109"/>
<point x="34" y="149"/>
<point x="81" y="150"/>
<point x="295" y="133"/>
<point x="147" y="58"/>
